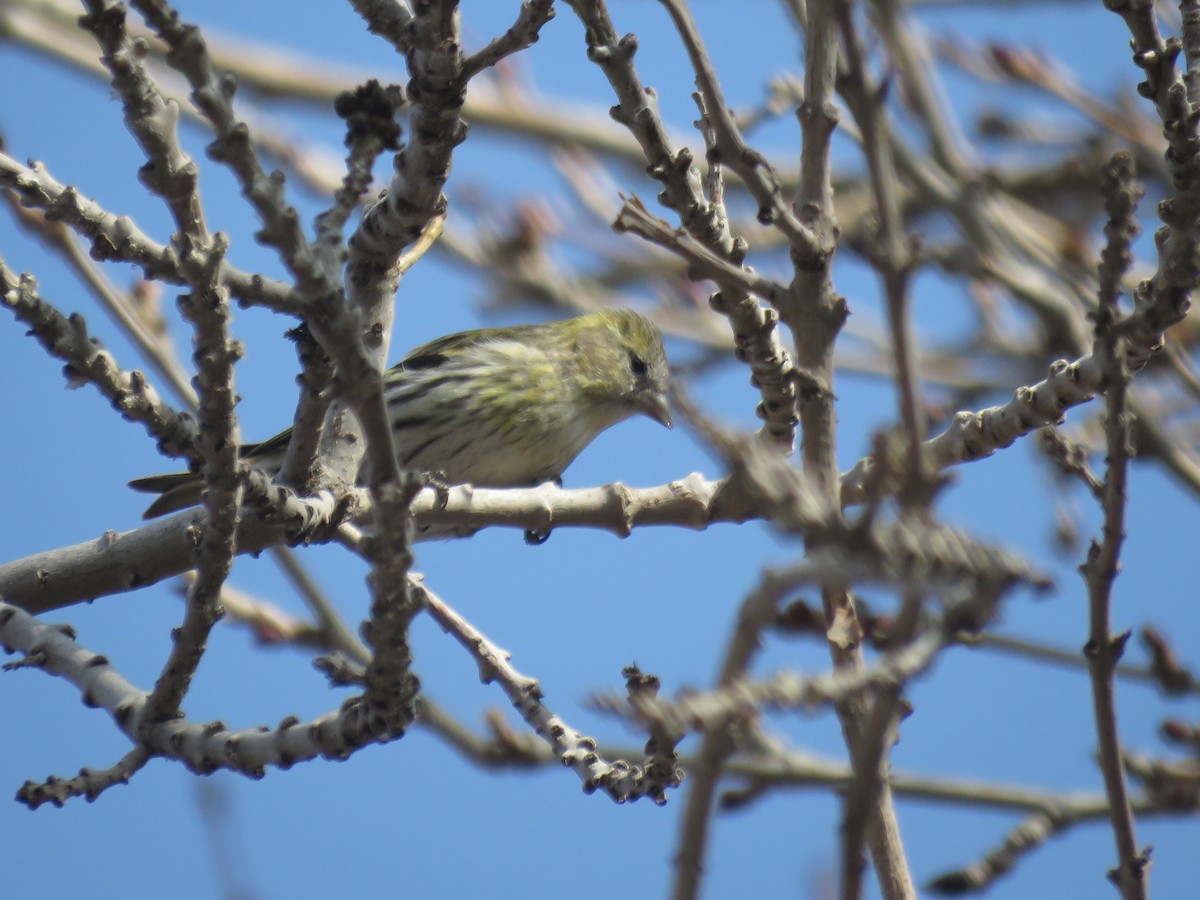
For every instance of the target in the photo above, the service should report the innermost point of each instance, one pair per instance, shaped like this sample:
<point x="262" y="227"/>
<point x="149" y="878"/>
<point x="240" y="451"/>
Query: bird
<point x="496" y="407"/>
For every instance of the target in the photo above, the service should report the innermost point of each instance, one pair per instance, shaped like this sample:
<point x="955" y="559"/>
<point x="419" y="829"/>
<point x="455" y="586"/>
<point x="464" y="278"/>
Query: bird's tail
<point x="176" y="491"/>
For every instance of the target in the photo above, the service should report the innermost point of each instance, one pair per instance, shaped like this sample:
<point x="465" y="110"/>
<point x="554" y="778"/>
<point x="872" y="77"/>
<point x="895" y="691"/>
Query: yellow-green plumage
<point x="499" y="407"/>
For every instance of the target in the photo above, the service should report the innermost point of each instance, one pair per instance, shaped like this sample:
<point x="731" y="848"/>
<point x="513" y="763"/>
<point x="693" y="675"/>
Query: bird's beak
<point x="655" y="406"/>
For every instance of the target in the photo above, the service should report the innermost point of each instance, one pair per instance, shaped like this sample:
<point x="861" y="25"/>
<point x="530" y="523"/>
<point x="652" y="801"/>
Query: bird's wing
<point x="433" y="354"/>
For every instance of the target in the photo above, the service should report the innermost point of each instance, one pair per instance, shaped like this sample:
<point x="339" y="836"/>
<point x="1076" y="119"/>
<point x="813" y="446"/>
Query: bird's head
<point x="621" y="364"/>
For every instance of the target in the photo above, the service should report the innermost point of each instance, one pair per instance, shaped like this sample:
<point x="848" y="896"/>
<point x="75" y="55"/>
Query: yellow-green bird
<point x="498" y="407"/>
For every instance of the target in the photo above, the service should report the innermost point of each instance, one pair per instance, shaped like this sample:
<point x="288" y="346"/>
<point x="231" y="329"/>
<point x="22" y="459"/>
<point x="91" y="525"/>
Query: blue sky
<point x="412" y="818"/>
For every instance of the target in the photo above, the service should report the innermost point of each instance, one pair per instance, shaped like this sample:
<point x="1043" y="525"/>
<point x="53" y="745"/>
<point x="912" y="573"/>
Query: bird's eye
<point x="638" y="366"/>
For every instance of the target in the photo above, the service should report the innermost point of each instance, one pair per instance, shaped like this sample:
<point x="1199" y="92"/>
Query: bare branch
<point x="702" y="218"/>
<point x="118" y="238"/>
<point x="87" y="361"/>
<point x="621" y="780"/>
<point x="118" y="562"/>
<point x="1103" y="649"/>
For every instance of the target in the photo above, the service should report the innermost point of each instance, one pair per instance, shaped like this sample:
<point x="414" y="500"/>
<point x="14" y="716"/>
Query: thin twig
<point x="1103" y="649"/>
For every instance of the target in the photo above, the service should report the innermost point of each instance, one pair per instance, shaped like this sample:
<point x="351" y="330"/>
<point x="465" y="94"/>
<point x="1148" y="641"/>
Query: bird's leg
<point x="534" y="537"/>
<point x="441" y="488"/>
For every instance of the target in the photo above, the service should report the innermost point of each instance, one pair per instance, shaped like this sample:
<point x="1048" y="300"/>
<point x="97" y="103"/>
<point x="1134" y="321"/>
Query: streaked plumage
<point x="498" y="407"/>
